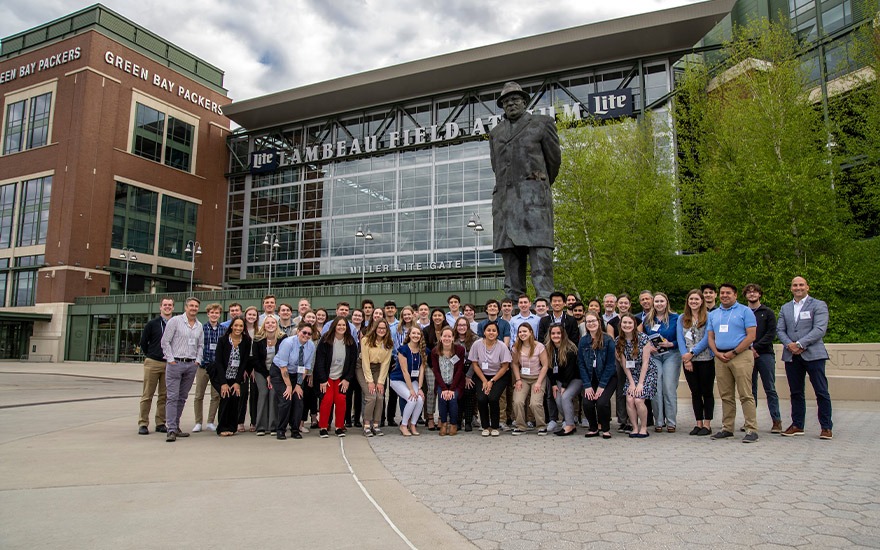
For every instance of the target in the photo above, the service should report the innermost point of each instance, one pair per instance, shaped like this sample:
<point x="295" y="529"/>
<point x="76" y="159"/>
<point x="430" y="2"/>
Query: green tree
<point x="758" y="159"/>
<point x="614" y="206"/>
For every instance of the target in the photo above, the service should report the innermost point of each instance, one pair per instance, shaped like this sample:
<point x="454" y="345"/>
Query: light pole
<point x="194" y="248"/>
<point x="476" y="226"/>
<point x="365" y="234"/>
<point x="271" y="240"/>
<point x="128" y="255"/>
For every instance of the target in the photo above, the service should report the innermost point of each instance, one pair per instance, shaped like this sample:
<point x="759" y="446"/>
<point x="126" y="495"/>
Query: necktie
<point x="302" y="359"/>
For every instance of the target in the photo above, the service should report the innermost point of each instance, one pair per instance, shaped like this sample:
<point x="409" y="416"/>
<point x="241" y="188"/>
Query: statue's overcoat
<point x="525" y="157"/>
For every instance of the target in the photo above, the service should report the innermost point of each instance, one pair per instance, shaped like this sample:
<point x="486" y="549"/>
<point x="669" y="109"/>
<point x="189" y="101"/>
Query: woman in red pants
<point x="334" y="370"/>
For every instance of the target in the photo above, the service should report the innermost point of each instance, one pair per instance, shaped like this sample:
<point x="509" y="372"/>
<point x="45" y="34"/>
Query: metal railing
<point x="487" y="283"/>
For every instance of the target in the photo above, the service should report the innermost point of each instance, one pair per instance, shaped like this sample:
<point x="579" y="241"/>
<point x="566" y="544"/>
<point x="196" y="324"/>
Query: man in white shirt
<point x="183" y="346"/>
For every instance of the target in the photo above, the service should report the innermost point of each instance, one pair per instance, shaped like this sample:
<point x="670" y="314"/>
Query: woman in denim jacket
<point x="598" y="368"/>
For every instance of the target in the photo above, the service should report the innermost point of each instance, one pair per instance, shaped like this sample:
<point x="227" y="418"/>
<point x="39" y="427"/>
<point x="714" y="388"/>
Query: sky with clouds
<point x="268" y="46"/>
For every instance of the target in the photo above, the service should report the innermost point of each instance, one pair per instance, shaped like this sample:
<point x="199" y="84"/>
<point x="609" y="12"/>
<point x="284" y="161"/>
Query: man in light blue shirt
<point x="732" y="328"/>
<point x="525" y="315"/>
<point x="293" y="362"/>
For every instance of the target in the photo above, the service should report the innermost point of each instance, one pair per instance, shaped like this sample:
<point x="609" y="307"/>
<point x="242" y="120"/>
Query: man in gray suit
<point x="802" y="325"/>
<point x="525" y="154"/>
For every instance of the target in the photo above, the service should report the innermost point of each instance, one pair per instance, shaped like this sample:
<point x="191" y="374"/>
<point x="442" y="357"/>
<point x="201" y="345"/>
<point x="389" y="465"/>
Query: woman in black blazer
<point x="227" y="376"/>
<point x="334" y="372"/>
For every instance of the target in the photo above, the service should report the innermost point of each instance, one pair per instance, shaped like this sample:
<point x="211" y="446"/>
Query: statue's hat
<point x="512" y="88"/>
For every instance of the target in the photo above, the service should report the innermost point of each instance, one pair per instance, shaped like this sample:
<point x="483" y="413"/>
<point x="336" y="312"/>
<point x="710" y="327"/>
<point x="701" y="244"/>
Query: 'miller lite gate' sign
<point x="599" y="106"/>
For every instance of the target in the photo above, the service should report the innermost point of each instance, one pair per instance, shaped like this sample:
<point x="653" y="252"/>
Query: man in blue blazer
<point x="801" y="326"/>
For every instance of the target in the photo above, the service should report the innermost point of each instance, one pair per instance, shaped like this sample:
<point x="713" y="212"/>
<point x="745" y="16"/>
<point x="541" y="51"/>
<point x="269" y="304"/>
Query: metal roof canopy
<point x="24" y="317"/>
<point x="645" y="35"/>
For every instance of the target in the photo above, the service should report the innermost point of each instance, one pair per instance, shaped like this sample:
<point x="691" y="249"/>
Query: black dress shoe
<point x="296" y="435"/>
<point x="695" y="431"/>
<point x="563" y="433"/>
<point x="468" y="427"/>
<point x="357" y="424"/>
<point x="348" y="424"/>
<point x="161" y="428"/>
<point x="143" y="430"/>
<point x="591" y="434"/>
<point x="281" y="436"/>
<point x="392" y="423"/>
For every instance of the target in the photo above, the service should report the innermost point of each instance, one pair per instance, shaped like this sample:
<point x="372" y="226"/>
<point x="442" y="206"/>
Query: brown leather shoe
<point x="826" y="434"/>
<point x="453" y="429"/>
<point x="792" y="431"/>
<point x="777" y="427"/>
<point x="443" y="428"/>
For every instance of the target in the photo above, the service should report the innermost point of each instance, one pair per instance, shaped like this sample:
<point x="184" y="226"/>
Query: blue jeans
<point x="448" y="409"/>
<point x="765" y="365"/>
<point x="795" y="371"/>
<point x="665" y="403"/>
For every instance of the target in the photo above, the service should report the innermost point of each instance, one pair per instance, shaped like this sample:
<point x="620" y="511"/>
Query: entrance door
<point x="14" y="338"/>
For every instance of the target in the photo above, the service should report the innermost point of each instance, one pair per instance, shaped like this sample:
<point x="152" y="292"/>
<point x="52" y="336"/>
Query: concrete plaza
<point x="74" y="474"/>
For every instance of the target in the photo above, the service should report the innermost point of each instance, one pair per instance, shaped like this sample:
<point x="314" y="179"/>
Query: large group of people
<point x="551" y="367"/>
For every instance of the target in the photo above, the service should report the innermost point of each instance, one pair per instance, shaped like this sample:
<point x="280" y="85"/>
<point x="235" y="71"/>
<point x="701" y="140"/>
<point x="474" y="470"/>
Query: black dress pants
<point x="598" y="411"/>
<point x="289" y="410"/>
<point x="490" y="414"/>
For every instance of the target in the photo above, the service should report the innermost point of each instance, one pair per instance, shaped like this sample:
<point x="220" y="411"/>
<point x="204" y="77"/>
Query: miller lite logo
<point x="613" y="104"/>
<point x="263" y="161"/>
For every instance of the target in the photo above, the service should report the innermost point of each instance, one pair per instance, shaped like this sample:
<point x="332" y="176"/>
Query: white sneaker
<point x="197" y="428"/>
<point x="304" y="430"/>
<point x="503" y="427"/>
<point x="485" y="433"/>
<point x="552" y="426"/>
<point x="495" y="433"/>
<point x="211" y="427"/>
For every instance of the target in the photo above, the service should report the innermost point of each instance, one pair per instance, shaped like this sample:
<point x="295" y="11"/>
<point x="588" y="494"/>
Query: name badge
<point x="526" y="371"/>
<point x="300" y="370"/>
<point x="454" y="359"/>
<point x="212" y="347"/>
<point x="555" y="369"/>
<point x="689" y="334"/>
<point x="484" y="365"/>
<point x="594" y="363"/>
<point x="631" y="365"/>
<point x="655" y="328"/>
<point x="414" y="374"/>
<point x="722" y="328"/>
<point x="805" y="315"/>
<point x="234" y="363"/>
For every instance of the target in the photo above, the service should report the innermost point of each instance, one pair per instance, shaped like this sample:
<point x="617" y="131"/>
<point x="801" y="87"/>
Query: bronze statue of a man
<point x="525" y="155"/>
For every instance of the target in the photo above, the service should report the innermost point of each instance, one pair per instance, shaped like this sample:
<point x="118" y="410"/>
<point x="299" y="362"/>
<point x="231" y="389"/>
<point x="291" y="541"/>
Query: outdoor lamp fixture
<point x="194" y="248"/>
<point x="475" y="225"/>
<point x="271" y="240"/>
<point x="128" y="255"/>
<point x="365" y="234"/>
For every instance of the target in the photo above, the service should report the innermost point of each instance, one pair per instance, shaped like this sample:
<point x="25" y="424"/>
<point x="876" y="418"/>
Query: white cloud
<point x="269" y="46"/>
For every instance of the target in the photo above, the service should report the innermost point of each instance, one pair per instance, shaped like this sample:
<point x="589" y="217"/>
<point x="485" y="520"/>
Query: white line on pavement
<point x="370" y="498"/>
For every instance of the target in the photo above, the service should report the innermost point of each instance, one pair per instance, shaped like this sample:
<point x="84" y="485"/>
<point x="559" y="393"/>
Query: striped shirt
<point x="182" y="340"/>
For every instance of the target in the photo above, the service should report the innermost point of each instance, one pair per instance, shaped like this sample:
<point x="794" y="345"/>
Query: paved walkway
<point x="74" y="474"/>
<point x="668" y="491"/>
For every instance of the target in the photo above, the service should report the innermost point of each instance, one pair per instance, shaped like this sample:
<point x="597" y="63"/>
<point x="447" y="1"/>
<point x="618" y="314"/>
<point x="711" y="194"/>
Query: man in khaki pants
<point x="732" y="329"/>
<point x="154" y="368"/>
